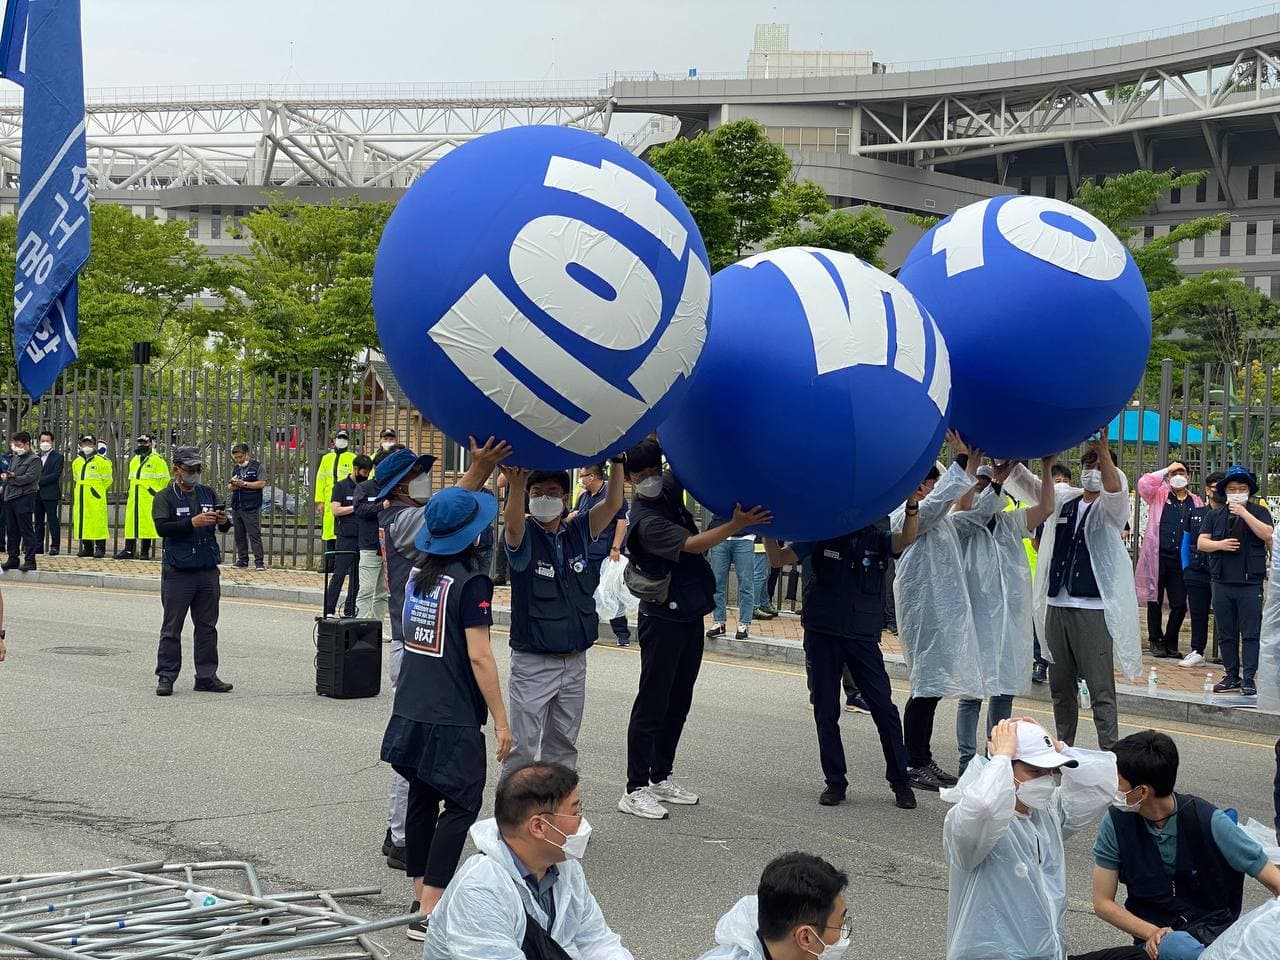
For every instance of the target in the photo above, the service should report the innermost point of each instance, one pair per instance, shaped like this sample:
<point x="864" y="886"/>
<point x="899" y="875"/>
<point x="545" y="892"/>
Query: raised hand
<point x="492" y="453"/>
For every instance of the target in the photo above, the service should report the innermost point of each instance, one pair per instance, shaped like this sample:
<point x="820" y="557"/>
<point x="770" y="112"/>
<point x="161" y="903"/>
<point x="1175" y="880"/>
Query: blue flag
<point x="40" y="49"/>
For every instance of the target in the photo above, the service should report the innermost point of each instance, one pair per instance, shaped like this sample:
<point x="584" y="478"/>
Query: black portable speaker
<point x="348" y="658"/>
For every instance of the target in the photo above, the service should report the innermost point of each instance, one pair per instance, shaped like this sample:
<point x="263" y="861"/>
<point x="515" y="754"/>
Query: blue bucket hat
<point x="454" y="519"/>
<point x="396" y="467"/>
<point x="1240" y="475"/>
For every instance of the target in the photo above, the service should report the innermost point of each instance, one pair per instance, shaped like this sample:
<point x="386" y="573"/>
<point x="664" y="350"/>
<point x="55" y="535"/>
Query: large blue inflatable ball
<point x="544" y="286"/>
<point x="1046" y="317"/>
<point x="823" y="395"/>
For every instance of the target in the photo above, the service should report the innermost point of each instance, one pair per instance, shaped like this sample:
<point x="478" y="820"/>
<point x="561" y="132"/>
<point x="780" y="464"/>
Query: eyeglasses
<point x="845" y="928"/>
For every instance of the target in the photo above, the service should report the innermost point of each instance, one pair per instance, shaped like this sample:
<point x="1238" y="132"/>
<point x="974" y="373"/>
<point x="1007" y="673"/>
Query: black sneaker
<point x="125" y="554"/>
<point x="903" y="796"/>
<point x="832" y="796"/>
<point x="212" y="685"/>
<point x="29" y="567"/>
<point x="10" y="565"/>
<point x="53" y="551"/>
<point x="1248" y="689"/>
<point x="242" y="564"/>
<point x="1040" y="673"/>
<point x="395" y="859"/>
<point x="387" y="843"/>
<point x="259" y="565"/>
<point x="164" y="687"/>
<point x="740" y="633"/>
<point x="1159" y="651"/>
<point x="856" y="704"/>
<point x="417" y="931"/>
<point x="1227" y="685"/>
<point x="946" y="778"/>
<point x="716" y="631"/>
<point x="924" y="778"/>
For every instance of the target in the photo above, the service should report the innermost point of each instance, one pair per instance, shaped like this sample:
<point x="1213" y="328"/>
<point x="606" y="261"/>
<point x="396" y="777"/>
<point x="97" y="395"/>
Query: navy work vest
<point x="1203" y="881"/>
<point x="1071" y="563"/>
<point x="553" y="607"/>
<point x="199" y="549"/>
<point x="437" y="684"/>
<point x="1249" y="563"/>
<point x="844" y="584"/>
<point x="1197" y="562"/>
<point x="691" y="595"/>
<point x="398" y="566"/>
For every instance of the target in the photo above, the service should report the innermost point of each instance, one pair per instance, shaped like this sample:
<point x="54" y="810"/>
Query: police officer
<point x="553" y="611"/>
<point x="347" y="544"/>
<point x="148" y="475"/>
<point x="335" y="465"/>
<point x="185" y="513"/>
<point x="92" y="474"/>
<point x="843" y="617"/>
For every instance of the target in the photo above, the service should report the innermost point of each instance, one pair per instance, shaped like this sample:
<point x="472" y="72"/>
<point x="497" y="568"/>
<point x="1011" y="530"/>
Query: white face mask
<point x="19" y="450"/>
<point x="546" y="509"/>
<point x="1091" y="480"/>
<point x="1179" y="482"/>
<point x="575" y="844"/>
<point x="831" y="951"/>
<point x="388" y="444"/>
<point x="1036" y="793"/>
<point x="650" y="489"/>
<point x="340" y="444"/>
<point x="1237" y="498"/>
<point x="420" y="487"/>
<point x="88" y="451"/>
<point x="1121" y="802"/>
<point x="45" y="446"/>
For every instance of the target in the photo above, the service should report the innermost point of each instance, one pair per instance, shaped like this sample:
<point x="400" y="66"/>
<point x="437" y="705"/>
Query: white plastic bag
<point x="1255" y="936"/>
<point x="613" y="599"/>
<point x="1266" y="838"/>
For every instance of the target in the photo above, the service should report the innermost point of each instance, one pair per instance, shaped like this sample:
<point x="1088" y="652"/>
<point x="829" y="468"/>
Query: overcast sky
<point x="131" y="42"/>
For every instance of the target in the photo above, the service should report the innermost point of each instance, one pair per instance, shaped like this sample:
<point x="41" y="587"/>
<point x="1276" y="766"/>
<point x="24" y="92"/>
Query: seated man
<point x="525" y="894"/>
<point x="798" y="912"/>
<point x="1004" y="842"/>
<point x="1181" y="859"/>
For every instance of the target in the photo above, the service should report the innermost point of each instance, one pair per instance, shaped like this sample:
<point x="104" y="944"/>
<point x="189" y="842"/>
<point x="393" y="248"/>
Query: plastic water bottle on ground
<point x="1083" y="689"/>
<point x="1208" y="688"/>
<point x="1153" y="683"/>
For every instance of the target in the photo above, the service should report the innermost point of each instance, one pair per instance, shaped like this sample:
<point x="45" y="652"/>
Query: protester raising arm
<point x="513" y="515"/>
<point x="606" y="511"/>
<point x="981" y="819"/>
<point x="1044" y="507"/>
<point x="741" y="520"/>
<point x="483" y="461"/>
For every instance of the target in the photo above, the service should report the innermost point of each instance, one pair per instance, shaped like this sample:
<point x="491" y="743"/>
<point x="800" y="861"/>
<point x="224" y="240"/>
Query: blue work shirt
<point x="599" y="548"/>
<point x="544" y="890"/>
<point x="518" y="559"/>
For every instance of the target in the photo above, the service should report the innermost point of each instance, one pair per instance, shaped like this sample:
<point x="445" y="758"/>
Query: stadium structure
<point x="908" y="138"/>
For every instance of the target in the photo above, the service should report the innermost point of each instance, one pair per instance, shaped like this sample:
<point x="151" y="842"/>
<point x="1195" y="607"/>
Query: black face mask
<point x="361" y="477"/>
<point x="142" y="451"/>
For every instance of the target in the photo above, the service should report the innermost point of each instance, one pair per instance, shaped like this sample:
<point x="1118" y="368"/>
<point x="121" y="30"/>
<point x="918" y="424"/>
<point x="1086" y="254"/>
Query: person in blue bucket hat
<point x="1235" y="537"/>
<point x="448" y="685"/>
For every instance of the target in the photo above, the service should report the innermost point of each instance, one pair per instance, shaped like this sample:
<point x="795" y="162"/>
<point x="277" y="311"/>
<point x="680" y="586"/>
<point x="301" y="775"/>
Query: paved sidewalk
<point x="1181" y="692"/>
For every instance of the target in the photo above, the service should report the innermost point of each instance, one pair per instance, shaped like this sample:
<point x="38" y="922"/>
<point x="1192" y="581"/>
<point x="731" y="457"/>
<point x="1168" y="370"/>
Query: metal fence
<point x="288" y="420"/>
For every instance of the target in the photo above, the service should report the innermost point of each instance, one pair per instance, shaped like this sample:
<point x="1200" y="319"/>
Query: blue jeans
<point x="761" y="584"/>
<point x="1180" y="945"/>
<point x="998" y="708"/>
<point x="741" y="553"/>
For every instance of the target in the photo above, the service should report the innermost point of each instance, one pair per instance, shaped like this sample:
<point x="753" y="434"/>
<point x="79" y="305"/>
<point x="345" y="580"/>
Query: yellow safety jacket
<point x="89" y="504"/>
<point x="147" y="476"/>
<point x="334" y="466"/>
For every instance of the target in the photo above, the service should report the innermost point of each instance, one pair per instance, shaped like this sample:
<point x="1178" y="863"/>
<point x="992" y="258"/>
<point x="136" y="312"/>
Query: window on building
<point x="1251" y="239"/>
<point x="1024" y="187"/>
<point x="1148" y="234"/>
<point x="1275" y="184"/>
<point x="1175" y="195"/>
<point x="1252" y="190"/>
<point x="1198" y="249"/>
<point x="1202" y="191"/>
<point x="193" y="231"/>
<point x="215" y="223"/>
<point x="1050" y="186"/>
<point x="1222" y="194"/>
<point x="1224" y="244"/>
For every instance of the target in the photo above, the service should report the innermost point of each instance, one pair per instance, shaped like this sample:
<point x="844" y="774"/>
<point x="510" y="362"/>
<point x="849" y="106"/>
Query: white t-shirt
<point x="1063" y="598"/>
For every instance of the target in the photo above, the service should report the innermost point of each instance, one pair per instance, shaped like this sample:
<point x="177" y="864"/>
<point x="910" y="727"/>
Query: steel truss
<point x="965" y="126"/>
<point x="268" y="142"/>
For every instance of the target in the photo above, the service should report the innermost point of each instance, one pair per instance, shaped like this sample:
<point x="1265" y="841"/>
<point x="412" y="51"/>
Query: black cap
<point x="144" y="438"/>
<point x="343" y="434"/>
<point x="388" y="433"/>
<point x="187" y="457"/>
<point x="88" y="438"/>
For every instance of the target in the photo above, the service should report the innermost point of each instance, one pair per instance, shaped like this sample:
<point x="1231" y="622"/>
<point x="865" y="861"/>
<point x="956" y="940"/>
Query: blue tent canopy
<point x="1150" y="429"/>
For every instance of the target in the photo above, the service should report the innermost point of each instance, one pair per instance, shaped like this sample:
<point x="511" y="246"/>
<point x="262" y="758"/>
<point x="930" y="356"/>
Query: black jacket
<point x="51" y="477"/>
<point x="26" y="476"/>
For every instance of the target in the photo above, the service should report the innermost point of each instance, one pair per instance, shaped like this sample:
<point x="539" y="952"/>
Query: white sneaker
<point x="641" y="803"/>
<point x="1192" y="659"/>
<point x="670" y="792"/>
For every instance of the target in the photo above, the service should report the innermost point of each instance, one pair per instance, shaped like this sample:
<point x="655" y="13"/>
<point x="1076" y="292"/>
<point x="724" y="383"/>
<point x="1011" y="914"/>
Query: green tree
<point x="1220" y="320"/>
<point x="1121" y="200"/>
<point x="137" y="285"/>
<point x="304" y="291"/>
<point x="862" y="234"/>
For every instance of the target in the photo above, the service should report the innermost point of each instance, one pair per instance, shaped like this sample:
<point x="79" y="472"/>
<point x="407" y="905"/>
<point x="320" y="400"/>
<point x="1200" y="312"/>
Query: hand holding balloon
<point x="755" y="517"/>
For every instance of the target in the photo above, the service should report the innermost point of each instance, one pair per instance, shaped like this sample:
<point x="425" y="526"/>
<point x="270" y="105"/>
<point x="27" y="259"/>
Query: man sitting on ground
<point x="525" y="893"/>
<point x="1182" y="860"/>
<point x="798" y="912"/>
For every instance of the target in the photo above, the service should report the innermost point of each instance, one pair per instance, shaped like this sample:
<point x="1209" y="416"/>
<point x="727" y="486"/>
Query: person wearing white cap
<point x="1004" y="841"/>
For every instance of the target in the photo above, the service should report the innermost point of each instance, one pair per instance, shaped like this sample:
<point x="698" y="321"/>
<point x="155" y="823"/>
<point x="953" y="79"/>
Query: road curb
<point x="1131" y="701"/>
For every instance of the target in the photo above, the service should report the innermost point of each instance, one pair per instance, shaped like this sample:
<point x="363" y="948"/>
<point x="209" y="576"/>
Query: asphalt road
<point x="96" y="770"/>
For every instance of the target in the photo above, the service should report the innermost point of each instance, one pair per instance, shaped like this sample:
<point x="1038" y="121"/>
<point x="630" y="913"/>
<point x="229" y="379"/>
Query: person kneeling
<point x="1181" y="859"/>
<point x="798" y="912"/>
<point x="525" y="893"/>
<point x="1004" y="842"/>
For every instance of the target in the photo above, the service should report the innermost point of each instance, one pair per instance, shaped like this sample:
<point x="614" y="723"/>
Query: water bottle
<point x="1083" y="689"/>
<point x="1208" y="688"/>
<point x="1153" y="682"/>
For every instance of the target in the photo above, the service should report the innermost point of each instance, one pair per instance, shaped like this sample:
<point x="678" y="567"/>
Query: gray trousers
<point x="197" y="591"/>
<point x="547" y="693"/>
<point x="398" y="796"/>
<point x="248" y="531"/>
<point x="1080" y="646"/>
<point x="371" y="598"/>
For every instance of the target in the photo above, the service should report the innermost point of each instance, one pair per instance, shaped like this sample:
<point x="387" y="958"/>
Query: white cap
<point x="1038" y="749"/>
<point x="986" y="471"/>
